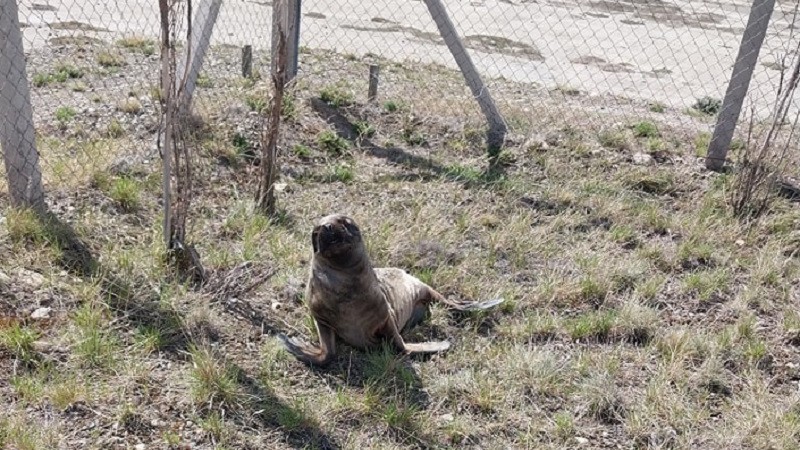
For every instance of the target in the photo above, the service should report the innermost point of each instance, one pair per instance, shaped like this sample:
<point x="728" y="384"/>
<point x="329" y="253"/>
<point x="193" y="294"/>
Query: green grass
<point x="138" y="44"/>
<point x="18" y="340"/>
<point x="337" y="95"/>
<point x="640" y="313"/>
<point x="65" y="114"/>
<point x="110" y="59"/>
<point x="126" y="192"/>
<point x="332" y="143"/>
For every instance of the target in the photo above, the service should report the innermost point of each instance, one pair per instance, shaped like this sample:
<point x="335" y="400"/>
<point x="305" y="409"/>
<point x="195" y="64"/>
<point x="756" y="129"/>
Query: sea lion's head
<point x="337" y="239"/>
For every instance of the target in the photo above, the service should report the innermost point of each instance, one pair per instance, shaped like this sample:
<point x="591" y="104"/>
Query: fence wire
<point x="93" y="68"/>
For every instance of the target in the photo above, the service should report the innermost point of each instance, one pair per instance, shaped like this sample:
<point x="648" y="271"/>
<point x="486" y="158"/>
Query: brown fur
<point x="360" y="304"/>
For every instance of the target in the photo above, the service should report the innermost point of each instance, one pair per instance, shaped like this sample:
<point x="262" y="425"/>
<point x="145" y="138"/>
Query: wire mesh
<point x="94" y="75"/>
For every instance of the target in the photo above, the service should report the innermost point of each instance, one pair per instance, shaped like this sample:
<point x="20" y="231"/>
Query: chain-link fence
<point x="93" y="68"/>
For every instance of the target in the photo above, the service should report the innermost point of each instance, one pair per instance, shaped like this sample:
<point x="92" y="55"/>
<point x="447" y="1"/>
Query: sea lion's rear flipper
<point x="465" y="306"/>
<point x="478" y="306"/>
<point x="427" y="347"/>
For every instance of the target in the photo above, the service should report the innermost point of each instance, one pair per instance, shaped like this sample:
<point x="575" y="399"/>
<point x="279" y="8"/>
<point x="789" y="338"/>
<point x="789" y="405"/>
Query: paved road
<point x="669" y="51"/>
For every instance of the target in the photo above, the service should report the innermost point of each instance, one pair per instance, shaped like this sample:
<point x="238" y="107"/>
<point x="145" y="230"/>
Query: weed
<point x="615" y="139"/>
<point x="110" y="59"/>
<point x="301" y="151"/>
<point x="65" y="114"/>
<point x="592" y="326"/>
<point x="213" y="381"/>
<point x="336" y="96"/>
<point x="657" y="107"/>
<point x="115" y="129"/>
<point x="701" y="142"/>
<point x="363" y="129"/>
<point x="18" y="340"/>
<point x="256" y="102"/>
<point x="333" y="143"/>
<point x="645" y="129"/>
<point x="289" y="107"/>
<point x="204" y="81"/>
<point x="341" y="172"/>
<point x="392" y="106"/>
<point x="138" y="44"/>
<point x="126" y="192"/>
<point x="95" y="345"/>
<point x="130" y="105"/>
<point x="707" y="105"/>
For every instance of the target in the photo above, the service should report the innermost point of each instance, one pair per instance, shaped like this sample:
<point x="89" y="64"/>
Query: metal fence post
<point x="753" y="38"/>
<point x="497" y="126"/>
<point x="17" y="136"/>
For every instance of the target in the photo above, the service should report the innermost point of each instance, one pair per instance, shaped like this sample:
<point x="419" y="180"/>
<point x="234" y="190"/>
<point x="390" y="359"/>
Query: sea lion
<point x="362" y="305"/>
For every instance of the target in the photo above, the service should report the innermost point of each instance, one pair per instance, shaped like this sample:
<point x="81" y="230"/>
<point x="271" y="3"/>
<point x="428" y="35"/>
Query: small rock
<point x="280" y="187"/>
<point x="30" y="278"/>
<point x="740" y="242"/>
<point x="447" y="417"/>
<point x="140" y="447"/>
<point x="41" y="313"/>
<point x="276" y="306"/>
<point x="643" y="159"/>
<point x="581" y="440"/>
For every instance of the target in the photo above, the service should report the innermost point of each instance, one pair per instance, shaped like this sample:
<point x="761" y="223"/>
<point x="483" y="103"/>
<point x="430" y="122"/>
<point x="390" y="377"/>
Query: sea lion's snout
<point x="334" y="235"/>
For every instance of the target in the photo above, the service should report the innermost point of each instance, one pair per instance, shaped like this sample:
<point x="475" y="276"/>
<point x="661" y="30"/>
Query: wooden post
<point x="265" y="196"/>
<point x="17" y="135"/>
<point x="753" y="38"/>
<point x="205" y="16"/>
<point x="288" y="12"/>
<point x="497" y="126"/>
<point x="374" y="73"/>
<point x="247" y="61"/>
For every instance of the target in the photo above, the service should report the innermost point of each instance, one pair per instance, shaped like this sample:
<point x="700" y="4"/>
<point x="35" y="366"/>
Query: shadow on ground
<point x="426" y="168"/>
<point x="140" y="307"/>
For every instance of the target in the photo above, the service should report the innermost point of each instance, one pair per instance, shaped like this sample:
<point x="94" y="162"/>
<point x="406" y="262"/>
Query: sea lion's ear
<point x="315" y="238"/>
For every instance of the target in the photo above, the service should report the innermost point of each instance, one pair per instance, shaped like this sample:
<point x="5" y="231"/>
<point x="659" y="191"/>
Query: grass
<point x="61" y="73"/>
<point x="130" y="105"/>
<point x="110" y="59"/>
<point x="337" y="95"/>
<point x="138" y="44"/>
<point x="65" y="114"/>
<point x="332" y="143"/>
<point x="640" y="313"/>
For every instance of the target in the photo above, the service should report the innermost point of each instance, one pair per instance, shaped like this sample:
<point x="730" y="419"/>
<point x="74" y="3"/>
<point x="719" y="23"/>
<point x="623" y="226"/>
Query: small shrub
<point x="333" y="143"/>
<point x="707" y="105"/>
